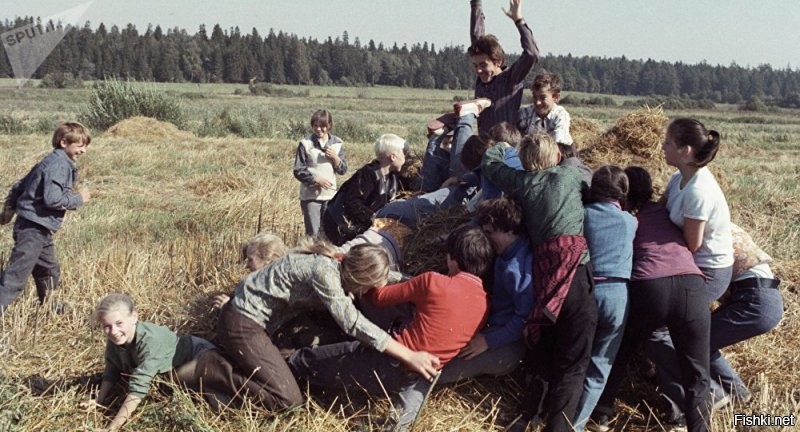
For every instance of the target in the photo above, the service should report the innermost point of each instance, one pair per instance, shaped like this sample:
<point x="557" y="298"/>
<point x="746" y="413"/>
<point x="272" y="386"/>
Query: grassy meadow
<point x="170" y="208"/>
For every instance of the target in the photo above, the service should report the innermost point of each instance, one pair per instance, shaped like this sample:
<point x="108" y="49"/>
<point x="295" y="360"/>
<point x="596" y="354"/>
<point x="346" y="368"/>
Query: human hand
<point x="452" y="181"/>
<point x="423" y="363"/>
<point x="220" y="300"/>
<point x="322" y="183"/>
<point x="332" y="156"/>
<point x="475" y="347"/>
<point x="85" y="195"/>
<point x="514" y="11"/>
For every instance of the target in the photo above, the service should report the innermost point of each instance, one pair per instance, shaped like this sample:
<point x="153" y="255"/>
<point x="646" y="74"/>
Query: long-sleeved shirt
<point x="311" y="163"/>
<point x="450" y="310"/>
<point x="506" y="88"/>
<point x="555" y="123"/>
<point x="45" y="194"/>
<point x="296" y="283"/>
<point x="155" y="349"/>
<point x="512" y="294"/>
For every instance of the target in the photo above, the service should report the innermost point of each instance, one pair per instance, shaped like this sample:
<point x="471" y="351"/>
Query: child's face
<point x="485" y="68"/>
<point x="73" y="150"/>
<point x="397" y="159"/>
<point x="255" y="262"/>
<point x="321" y="130"/>
<point x="119" y="325"/>
<point x="543" y="100"/>
<point x="500" y="240"/>
<point x="672" y="153"/>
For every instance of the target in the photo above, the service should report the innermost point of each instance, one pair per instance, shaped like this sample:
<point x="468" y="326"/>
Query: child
<point x="309" y="278"/>
<point x="563" y="319"/>
<point x="609" y="230"/>
<point x="449" y="311"/>
<point x="138" y="351"/>
<point x="259" y="250"/>
<point x="503" y="86"/>
<point x="545" y="115"/>
<point x="352" y="209"/>
<point x="697" y="205"/>
<point x="319" y="157"/>
<point x="41" y="199"/>
<point x="498" y="349"/>
<point x="666" y="289"/>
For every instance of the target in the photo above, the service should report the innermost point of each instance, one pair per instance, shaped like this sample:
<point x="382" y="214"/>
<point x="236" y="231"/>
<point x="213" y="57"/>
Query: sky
<point x="691" y="31"/>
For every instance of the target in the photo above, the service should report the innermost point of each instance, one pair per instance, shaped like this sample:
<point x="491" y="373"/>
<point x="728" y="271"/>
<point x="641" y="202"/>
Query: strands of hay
<point x="410" y="179"/>
<point x="146" y="128"/>
<point x="635" y="139"/>
<point x="585" y="132"/>
<point x="424" y="249"/>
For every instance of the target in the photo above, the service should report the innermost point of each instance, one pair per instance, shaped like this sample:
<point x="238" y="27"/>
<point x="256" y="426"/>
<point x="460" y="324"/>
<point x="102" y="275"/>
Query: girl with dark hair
<point x="609" y="230"/>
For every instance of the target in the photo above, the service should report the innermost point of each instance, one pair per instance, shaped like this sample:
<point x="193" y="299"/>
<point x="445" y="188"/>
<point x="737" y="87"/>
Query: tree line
<point x="231" y="56"/>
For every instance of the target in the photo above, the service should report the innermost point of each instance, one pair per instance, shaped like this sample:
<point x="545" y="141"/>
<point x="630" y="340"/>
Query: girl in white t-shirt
<point x="696" y="203"/>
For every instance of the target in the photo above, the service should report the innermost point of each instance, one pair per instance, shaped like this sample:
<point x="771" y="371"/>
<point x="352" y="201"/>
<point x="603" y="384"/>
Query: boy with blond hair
<point x="351" y="211"/>
<point x="562" y="322"/>
<point x="545" y="114"/>
<point x="40" y="200"/>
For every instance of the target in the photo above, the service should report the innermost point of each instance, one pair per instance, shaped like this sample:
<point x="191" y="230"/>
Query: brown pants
<point x="248" y="365"/>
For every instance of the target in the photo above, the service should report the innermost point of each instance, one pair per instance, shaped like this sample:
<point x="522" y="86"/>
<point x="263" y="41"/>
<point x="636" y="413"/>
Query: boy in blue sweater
<point x="41" y="199"/>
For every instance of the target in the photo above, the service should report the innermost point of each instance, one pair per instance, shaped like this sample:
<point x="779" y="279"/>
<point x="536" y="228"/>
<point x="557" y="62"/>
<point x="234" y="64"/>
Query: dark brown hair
<point x="469" y="247"/>
<point x="505" y="132"/>
<point x="489" y="45"/>
<point x="503" y="214"/>
<point x="609" y="182"/>
<point x="71" y="132"/>
<point x="472" y="153"/>
<point x="547" y="79"/>
<point x="323" y="118"/>
<point x="690" y="132"/>
<point x="640" y="190"/>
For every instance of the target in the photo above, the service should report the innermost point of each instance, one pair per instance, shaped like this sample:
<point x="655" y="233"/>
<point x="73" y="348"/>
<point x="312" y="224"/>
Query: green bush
<point x="266" y="89"/>
<point x="61" y="80"/>
<point x="10" y="125"/>
<point x="754" y="104"/>
<point x="113" y="100"/>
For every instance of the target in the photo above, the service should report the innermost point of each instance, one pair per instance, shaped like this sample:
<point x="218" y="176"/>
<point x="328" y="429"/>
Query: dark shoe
<point x="440" y="124"/>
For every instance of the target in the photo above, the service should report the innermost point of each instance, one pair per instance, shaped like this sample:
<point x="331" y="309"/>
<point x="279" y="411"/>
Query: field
<point x="169" y="209"/>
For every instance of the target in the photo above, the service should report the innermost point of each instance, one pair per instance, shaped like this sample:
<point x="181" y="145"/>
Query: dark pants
<point x="33" y="254"/>
<point x="679" y="303"/>
<point x="355" y="366"/>
<point x="559" y="360"/>
<point x="255" y="362"/>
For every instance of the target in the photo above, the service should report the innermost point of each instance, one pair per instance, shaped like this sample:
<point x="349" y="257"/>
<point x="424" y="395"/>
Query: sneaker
<point x="440" y="124"/>
<point x="474" y="106"/>
<point x="720" y="401"/>
<point x="598" y="424"/>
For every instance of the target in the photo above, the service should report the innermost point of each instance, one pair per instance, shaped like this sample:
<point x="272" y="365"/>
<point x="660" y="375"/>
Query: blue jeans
<point x="414" y="210"/>
<point x="439" y="164"/>
<point x="355" y="366"/>
<point x="33" y="254"/>
<point x="612" y="315"/>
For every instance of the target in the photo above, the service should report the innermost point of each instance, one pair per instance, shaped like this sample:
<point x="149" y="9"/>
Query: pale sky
<point x="749" y="33"/>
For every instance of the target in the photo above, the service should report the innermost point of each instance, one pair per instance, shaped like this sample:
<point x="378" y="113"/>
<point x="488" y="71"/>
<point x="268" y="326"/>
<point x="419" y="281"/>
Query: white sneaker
<point x="474" y="106"/>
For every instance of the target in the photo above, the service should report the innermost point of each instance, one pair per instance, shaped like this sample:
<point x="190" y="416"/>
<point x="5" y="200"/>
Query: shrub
<point x="10" y="125"/>
<point x="754" y="104"/>
<point x="267" y="89"/>
<point x="61" y="80"/>
<point x="113" y="100"/>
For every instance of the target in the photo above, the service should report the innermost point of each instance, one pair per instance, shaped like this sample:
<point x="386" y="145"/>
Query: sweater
<point x="609" y="231"/>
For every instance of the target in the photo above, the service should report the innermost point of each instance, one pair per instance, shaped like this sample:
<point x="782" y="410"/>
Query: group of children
<point x="560" y="269"/>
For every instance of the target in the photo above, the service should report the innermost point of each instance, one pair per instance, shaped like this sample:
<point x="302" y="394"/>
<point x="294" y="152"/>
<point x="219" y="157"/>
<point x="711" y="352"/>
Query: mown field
<point x="169" y="209"/>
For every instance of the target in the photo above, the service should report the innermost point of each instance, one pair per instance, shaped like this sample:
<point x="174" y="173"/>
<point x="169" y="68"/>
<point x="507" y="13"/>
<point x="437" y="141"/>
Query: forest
<point x="231" y="56"/>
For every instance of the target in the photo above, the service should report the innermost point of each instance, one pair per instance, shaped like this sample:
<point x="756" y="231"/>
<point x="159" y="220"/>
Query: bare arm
<point x="125" y="412"/>
<point x="693" y="233"/>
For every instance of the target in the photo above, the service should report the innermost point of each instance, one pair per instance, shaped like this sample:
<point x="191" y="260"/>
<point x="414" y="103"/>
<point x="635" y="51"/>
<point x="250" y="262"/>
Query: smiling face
<point x="485" y="68"/>
<point x="119" y="325"/>
<point x="544" y="100"/>
<point x="321" y="131"/>
<point x="73" y="150"/>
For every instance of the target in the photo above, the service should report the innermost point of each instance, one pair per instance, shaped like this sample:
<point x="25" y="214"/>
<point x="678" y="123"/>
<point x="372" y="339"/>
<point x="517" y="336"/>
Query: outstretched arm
<point x="530" y="52"/>
<point x="476" y="21"/>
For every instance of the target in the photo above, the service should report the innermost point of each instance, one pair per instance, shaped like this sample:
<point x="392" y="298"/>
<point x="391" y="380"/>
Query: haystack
<point x="424" y="249"/>
<point x="146" y="128"/>
<point x="585" y="132"/>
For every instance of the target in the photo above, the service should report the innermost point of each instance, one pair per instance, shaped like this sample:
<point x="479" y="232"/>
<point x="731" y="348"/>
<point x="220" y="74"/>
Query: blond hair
<point x="364" y="267"/>
<point x="539" y="151"/>
<point x="112" y="302"/>
<point x="388" y="144"/>
<point x="266" y="246"/>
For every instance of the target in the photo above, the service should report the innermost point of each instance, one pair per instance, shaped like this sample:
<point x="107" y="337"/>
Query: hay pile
<point x="584" y="132"/>
<point x="410" y="180"/>
<point x="424" y="249"/>
<point x="147" y="129"/>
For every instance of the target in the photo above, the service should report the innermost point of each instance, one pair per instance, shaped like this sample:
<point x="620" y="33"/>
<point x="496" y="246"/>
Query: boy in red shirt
<point x="450" y="309"/>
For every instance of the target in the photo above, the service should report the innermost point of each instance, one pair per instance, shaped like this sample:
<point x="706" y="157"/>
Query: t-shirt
<point x="702" y="199"/>
<point x="659" y="249"/>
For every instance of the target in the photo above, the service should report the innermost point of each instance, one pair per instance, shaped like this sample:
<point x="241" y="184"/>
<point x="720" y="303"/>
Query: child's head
<point x="473" y="151"/>
<point x="364" y="267"/>
<point x="505" y="132"/>
<point x="469" y="250"/>
<point x="501" y="220"/>
<point x="73" y="138"/>
<point x="609" y="183"/>
<point x="487" y="57"/>
<point x="117" y="316"/>
<point x="538" y="152"/>
<point x="262" y="249"/>
<point x="640" y="190"/>
<point x="546" y="90"/>
<point x="689" y="143"/>
<point x="390" y="151"/>
<point x="321" y="123"/>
